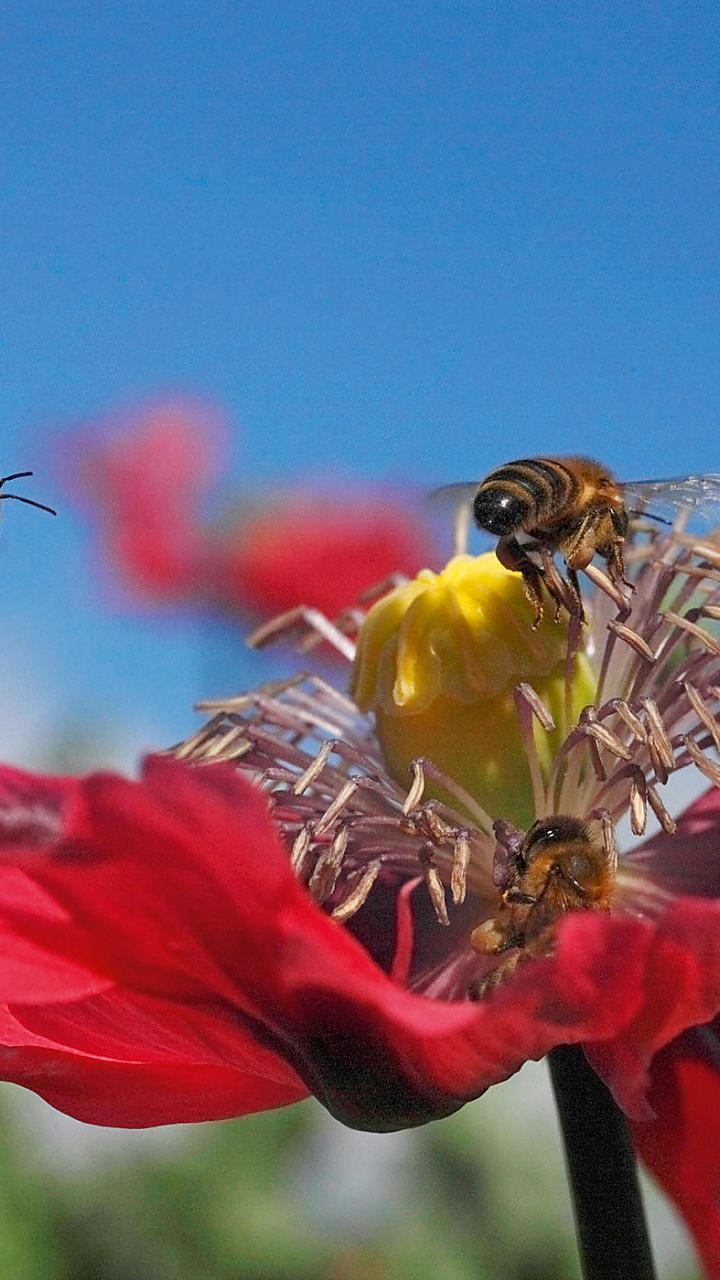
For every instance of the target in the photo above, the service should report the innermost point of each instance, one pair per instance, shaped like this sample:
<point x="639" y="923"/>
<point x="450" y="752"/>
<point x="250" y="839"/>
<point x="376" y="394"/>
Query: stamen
<point x="327" y="868"/>
<point x="431" y="773"/>
<point x="315" y="767"/>
<point x="342" y="703"/>
<point x="573" y="645"/>
<point x="338" y="804"/>
<point x="704" y="549"/>
<point x="606" y="738"/>
<point x="609" y="842"/>
<point x="378" y="589"/>
<point x="605" y="584"/>
<point x="708" y="767"/>
<point x="711" y="610"/>
<point x="666" y="822"/>
<point x="657" y="736"/>
<point x="361" y="883"/>
<point x="300" y="849"/>
<point x="271" y="688"/>
<point x="537" y="706"/>
<point x="636" y="642"/>
<point x="527" y="705"/>
<point x="348" y="622"/>
<point x="302" y="618"/>
<point x="429" y="822"/>
<point x="620" y="707"/>
<point x="230" y="743"/>
<point x="702" y="572"/>
<point x="437" y="894"/>
<point x="461" y="860"/>
<point x="685" y="624"/>
<point x="416" y="790"/>
<point x="638" y="802"/>
<point x="588" y="716"/>
<point x="703" y="712"/>
<point x="185" y="750"/>
<point x="567" y="768"/>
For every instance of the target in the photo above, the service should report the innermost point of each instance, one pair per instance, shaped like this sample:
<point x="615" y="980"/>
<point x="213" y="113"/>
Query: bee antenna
<point x="649" y="516"/>
<point x="30" y="501"/>
<point x="19" y="475"/>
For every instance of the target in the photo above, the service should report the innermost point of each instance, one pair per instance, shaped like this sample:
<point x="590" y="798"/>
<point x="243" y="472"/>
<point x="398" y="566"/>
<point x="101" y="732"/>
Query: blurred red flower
<point x="147" y="479"/>
<point x="161" y="963"/>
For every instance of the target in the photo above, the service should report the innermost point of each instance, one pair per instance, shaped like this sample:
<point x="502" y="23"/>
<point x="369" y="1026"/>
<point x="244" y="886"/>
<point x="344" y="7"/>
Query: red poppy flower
<point x="162" y="963"/>
<point x="145" y="476"/>
<point x="148" y="480"/>
<point x="174" y="951"/>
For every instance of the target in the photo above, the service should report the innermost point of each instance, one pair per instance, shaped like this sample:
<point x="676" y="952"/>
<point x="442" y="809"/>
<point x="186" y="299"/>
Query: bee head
<point x="552" y="830"/>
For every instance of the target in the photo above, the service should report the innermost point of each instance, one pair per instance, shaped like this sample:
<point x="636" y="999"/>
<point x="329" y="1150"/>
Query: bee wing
<point x="697" y="496"/>
<point x="455" y="501"/>
<point x="449" y="496"/>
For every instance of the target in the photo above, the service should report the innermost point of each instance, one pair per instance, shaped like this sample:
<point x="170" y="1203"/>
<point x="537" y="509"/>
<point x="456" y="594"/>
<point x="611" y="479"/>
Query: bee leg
<point x="484" y="986"/>
<point x="558" y="589"/>
<point x="511" y="555"/>
<point x="516" y="895"/>
<point x="601" y="533"/>
<point x="532" y="581"/>
<point x="595" y="535"/>
<point x="542" y="944"/>
<point x="582" y="546"/>
<point x="575" y="588"/>
<point x="616" y="562"/>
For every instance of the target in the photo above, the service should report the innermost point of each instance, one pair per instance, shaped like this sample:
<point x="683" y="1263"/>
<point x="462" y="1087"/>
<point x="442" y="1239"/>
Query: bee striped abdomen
<point x="524" y="494"/>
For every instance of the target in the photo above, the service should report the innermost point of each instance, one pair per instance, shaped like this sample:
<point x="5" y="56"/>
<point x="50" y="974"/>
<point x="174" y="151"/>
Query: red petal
<point x="124" y="1059"/>
<point x="320" y="552"/>
<point x="677" y="987"/>
<point x="177" y="891"/>
<point x="681" y="1145"/>
<point x="175" y="894"/>
<point x="115" y="1009"/>
<point x="32" y="807"/>
<point x="146" y="478"/>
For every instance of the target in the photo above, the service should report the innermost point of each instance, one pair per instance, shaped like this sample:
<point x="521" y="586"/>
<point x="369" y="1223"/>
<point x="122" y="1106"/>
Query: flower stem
<point x="612" y="1236"/>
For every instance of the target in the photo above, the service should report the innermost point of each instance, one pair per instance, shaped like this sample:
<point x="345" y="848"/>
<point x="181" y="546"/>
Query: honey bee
<point x="19" y="475"/>
<point x="553" y="868"/>
<point x="574" y="506"/>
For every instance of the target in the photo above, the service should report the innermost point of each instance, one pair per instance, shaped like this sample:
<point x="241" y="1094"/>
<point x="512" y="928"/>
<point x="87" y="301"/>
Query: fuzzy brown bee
<point x="553" y="868"/>
<point x="570" y="505"/>
<point x="574" y="506"/>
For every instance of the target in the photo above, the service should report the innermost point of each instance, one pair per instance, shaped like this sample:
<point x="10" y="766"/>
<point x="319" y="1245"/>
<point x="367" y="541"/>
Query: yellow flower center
<point x="437" y="662"/>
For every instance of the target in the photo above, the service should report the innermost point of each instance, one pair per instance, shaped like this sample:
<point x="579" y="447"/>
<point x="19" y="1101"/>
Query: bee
<point x="19" y="475"/>
<point x="574" y="506"/>
<point x="555" y="867"/>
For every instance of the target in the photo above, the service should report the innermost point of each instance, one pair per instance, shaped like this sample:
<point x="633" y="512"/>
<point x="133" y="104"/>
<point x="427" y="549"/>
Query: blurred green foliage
<point x="480" y="1196"/>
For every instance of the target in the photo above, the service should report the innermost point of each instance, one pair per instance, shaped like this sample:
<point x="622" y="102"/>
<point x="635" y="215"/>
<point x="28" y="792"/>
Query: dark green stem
<point x="612" y="1236"/>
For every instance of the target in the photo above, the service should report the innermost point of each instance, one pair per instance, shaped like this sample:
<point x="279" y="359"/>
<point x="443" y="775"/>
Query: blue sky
<point x="391" y="240"/>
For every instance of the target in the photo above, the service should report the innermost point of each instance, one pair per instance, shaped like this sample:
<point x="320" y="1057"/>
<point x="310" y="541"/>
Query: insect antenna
<point x="649" y="515"/>
<point x="18" y="475"/>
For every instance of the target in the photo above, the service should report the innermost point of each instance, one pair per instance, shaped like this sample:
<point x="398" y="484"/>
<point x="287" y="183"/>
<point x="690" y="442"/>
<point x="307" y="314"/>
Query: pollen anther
<point x="361" y="884"/>
<point x="315" y="767"/>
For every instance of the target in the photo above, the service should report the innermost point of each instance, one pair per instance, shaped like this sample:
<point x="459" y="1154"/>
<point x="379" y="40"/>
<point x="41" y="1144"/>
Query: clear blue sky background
<point x="407" y="240"/>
